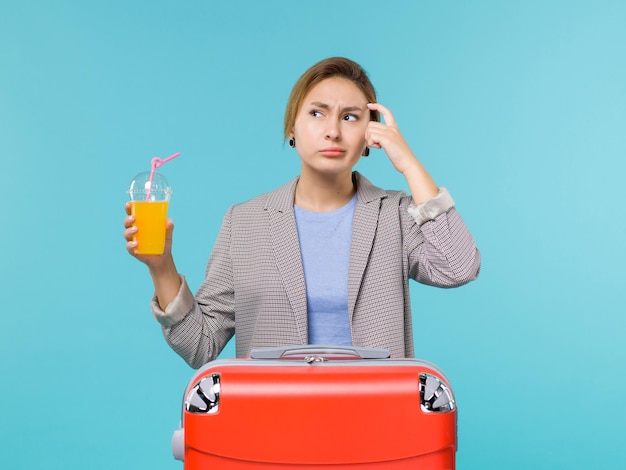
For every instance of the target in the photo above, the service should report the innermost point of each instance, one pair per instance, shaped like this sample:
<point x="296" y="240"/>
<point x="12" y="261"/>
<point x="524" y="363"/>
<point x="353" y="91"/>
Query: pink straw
<point x="156" y="163"/>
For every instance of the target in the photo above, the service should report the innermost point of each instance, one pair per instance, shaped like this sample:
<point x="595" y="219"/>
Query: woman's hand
<point x="388" y="137"/>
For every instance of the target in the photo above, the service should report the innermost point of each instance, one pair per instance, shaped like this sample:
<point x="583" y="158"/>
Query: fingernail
<point x="133" y="229"/>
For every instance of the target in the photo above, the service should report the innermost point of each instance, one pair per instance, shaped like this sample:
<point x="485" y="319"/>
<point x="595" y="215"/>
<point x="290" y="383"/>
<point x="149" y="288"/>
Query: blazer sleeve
<point x="199" y="327"/>
<point x="441" y="251"/>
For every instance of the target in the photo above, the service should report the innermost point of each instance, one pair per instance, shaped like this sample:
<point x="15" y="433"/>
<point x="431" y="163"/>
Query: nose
<point x="333" y="131"/>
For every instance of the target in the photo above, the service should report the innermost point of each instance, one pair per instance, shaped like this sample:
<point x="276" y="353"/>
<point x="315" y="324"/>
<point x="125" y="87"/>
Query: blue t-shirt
<point x="325" y="248"/>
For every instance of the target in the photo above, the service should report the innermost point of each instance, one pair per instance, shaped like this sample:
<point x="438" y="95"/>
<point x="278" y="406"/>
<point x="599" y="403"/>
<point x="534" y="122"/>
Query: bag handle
<point x="316" y="353"/>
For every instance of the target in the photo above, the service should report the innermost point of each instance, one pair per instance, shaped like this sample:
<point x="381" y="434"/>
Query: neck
<point x="324" y="193"/>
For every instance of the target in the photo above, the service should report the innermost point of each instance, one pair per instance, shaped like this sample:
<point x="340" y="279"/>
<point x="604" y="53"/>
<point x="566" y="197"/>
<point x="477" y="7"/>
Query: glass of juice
<point x="149" y="200"/>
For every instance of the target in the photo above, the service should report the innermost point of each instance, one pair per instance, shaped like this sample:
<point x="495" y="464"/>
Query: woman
<point x="326" y="258"/>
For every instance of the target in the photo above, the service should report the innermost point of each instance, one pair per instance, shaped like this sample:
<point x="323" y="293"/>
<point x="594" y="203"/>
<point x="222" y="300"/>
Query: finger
<point x="130" y="233"/>
<point x="127" y="206"/>
<point x="131" y="246"/>
<point x="388" y="117"/>
<point x="169" y="229"/>
<point x="129" y="221"/>
<point x="376" y="127"/>
<point x="375" y="134"/>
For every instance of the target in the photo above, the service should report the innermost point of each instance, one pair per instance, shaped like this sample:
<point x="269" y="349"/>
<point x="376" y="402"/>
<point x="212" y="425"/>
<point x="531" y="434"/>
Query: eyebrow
<point x="346" y="109"/>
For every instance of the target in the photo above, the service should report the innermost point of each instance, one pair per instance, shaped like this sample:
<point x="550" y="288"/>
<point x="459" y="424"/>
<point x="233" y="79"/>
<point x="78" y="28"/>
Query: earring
<point x="292" y="142"/>
<point x="366" y="152"/>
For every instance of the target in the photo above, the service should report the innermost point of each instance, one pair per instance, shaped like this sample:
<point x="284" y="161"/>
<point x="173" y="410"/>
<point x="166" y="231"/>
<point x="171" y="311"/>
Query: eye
<point x="350" y="117"/>
<point x="315" y="113"/>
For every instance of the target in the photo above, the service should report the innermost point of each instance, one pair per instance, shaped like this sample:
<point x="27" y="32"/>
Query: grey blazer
<point x="255" y="287"/>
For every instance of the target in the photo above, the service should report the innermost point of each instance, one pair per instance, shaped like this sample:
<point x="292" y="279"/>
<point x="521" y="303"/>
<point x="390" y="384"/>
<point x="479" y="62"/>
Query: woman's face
<point x="330" y="127"/>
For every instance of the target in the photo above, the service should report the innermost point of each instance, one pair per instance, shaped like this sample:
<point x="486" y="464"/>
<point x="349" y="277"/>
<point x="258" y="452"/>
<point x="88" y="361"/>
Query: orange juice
<point x="150" y="219"/>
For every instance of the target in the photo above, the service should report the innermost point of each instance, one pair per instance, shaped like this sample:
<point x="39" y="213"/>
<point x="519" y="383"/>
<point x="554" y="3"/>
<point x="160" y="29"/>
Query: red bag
<point x="314" y="406"/>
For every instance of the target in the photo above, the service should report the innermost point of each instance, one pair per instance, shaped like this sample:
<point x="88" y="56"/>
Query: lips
<point x="332" y="152"/>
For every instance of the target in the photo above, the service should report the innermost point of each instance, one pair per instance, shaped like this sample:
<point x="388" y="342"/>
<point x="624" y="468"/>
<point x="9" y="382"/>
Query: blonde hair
<point x="327" y="68"/>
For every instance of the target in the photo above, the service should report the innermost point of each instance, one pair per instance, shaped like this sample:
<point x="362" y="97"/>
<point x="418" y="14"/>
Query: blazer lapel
<point x="364" y="229"/>
<point x="286" y="246"/>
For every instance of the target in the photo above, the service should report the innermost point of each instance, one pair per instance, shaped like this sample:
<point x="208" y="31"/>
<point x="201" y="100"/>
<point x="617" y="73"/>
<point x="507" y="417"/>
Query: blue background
<point x="519" y="108"/>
